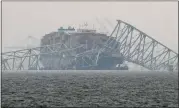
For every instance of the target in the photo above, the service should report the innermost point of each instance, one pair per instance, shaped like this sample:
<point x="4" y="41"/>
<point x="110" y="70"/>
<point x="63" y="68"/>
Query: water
<point x="89" y="89"/>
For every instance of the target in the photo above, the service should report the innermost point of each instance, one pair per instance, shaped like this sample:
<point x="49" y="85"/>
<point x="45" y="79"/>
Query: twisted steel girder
<point x="141" y="49"/>
<point x="17" y="60"/>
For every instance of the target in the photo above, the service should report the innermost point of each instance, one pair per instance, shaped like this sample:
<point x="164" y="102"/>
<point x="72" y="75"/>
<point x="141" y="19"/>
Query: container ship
<point x="73" y="38"/>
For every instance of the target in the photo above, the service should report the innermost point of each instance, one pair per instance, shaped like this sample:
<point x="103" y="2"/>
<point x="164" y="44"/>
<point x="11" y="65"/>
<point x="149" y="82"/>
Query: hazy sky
<point x="21" y="19"/>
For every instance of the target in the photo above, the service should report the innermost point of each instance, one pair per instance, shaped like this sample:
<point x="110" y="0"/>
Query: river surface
<point x="89" y="89"/>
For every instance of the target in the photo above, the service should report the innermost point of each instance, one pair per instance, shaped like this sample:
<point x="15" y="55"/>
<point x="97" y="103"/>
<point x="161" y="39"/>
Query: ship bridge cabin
<point x="86" y="31"/>
<point x="61" y="29"/>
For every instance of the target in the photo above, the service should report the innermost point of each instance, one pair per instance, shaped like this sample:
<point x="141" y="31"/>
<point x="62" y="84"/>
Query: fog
<point x="22" y="19"/>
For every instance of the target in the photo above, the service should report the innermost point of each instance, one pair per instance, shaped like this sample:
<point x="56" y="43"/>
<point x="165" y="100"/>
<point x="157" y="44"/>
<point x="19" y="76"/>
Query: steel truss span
<point x="141" y="49"/>
<point x="125" y="40"/>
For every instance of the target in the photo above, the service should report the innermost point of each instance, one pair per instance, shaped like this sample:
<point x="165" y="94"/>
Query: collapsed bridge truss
<point x="125" y="40"/>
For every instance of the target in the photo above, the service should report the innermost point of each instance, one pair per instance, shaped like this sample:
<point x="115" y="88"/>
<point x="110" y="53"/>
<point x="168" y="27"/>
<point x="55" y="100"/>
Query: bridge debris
<point x="87" y="49"/>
